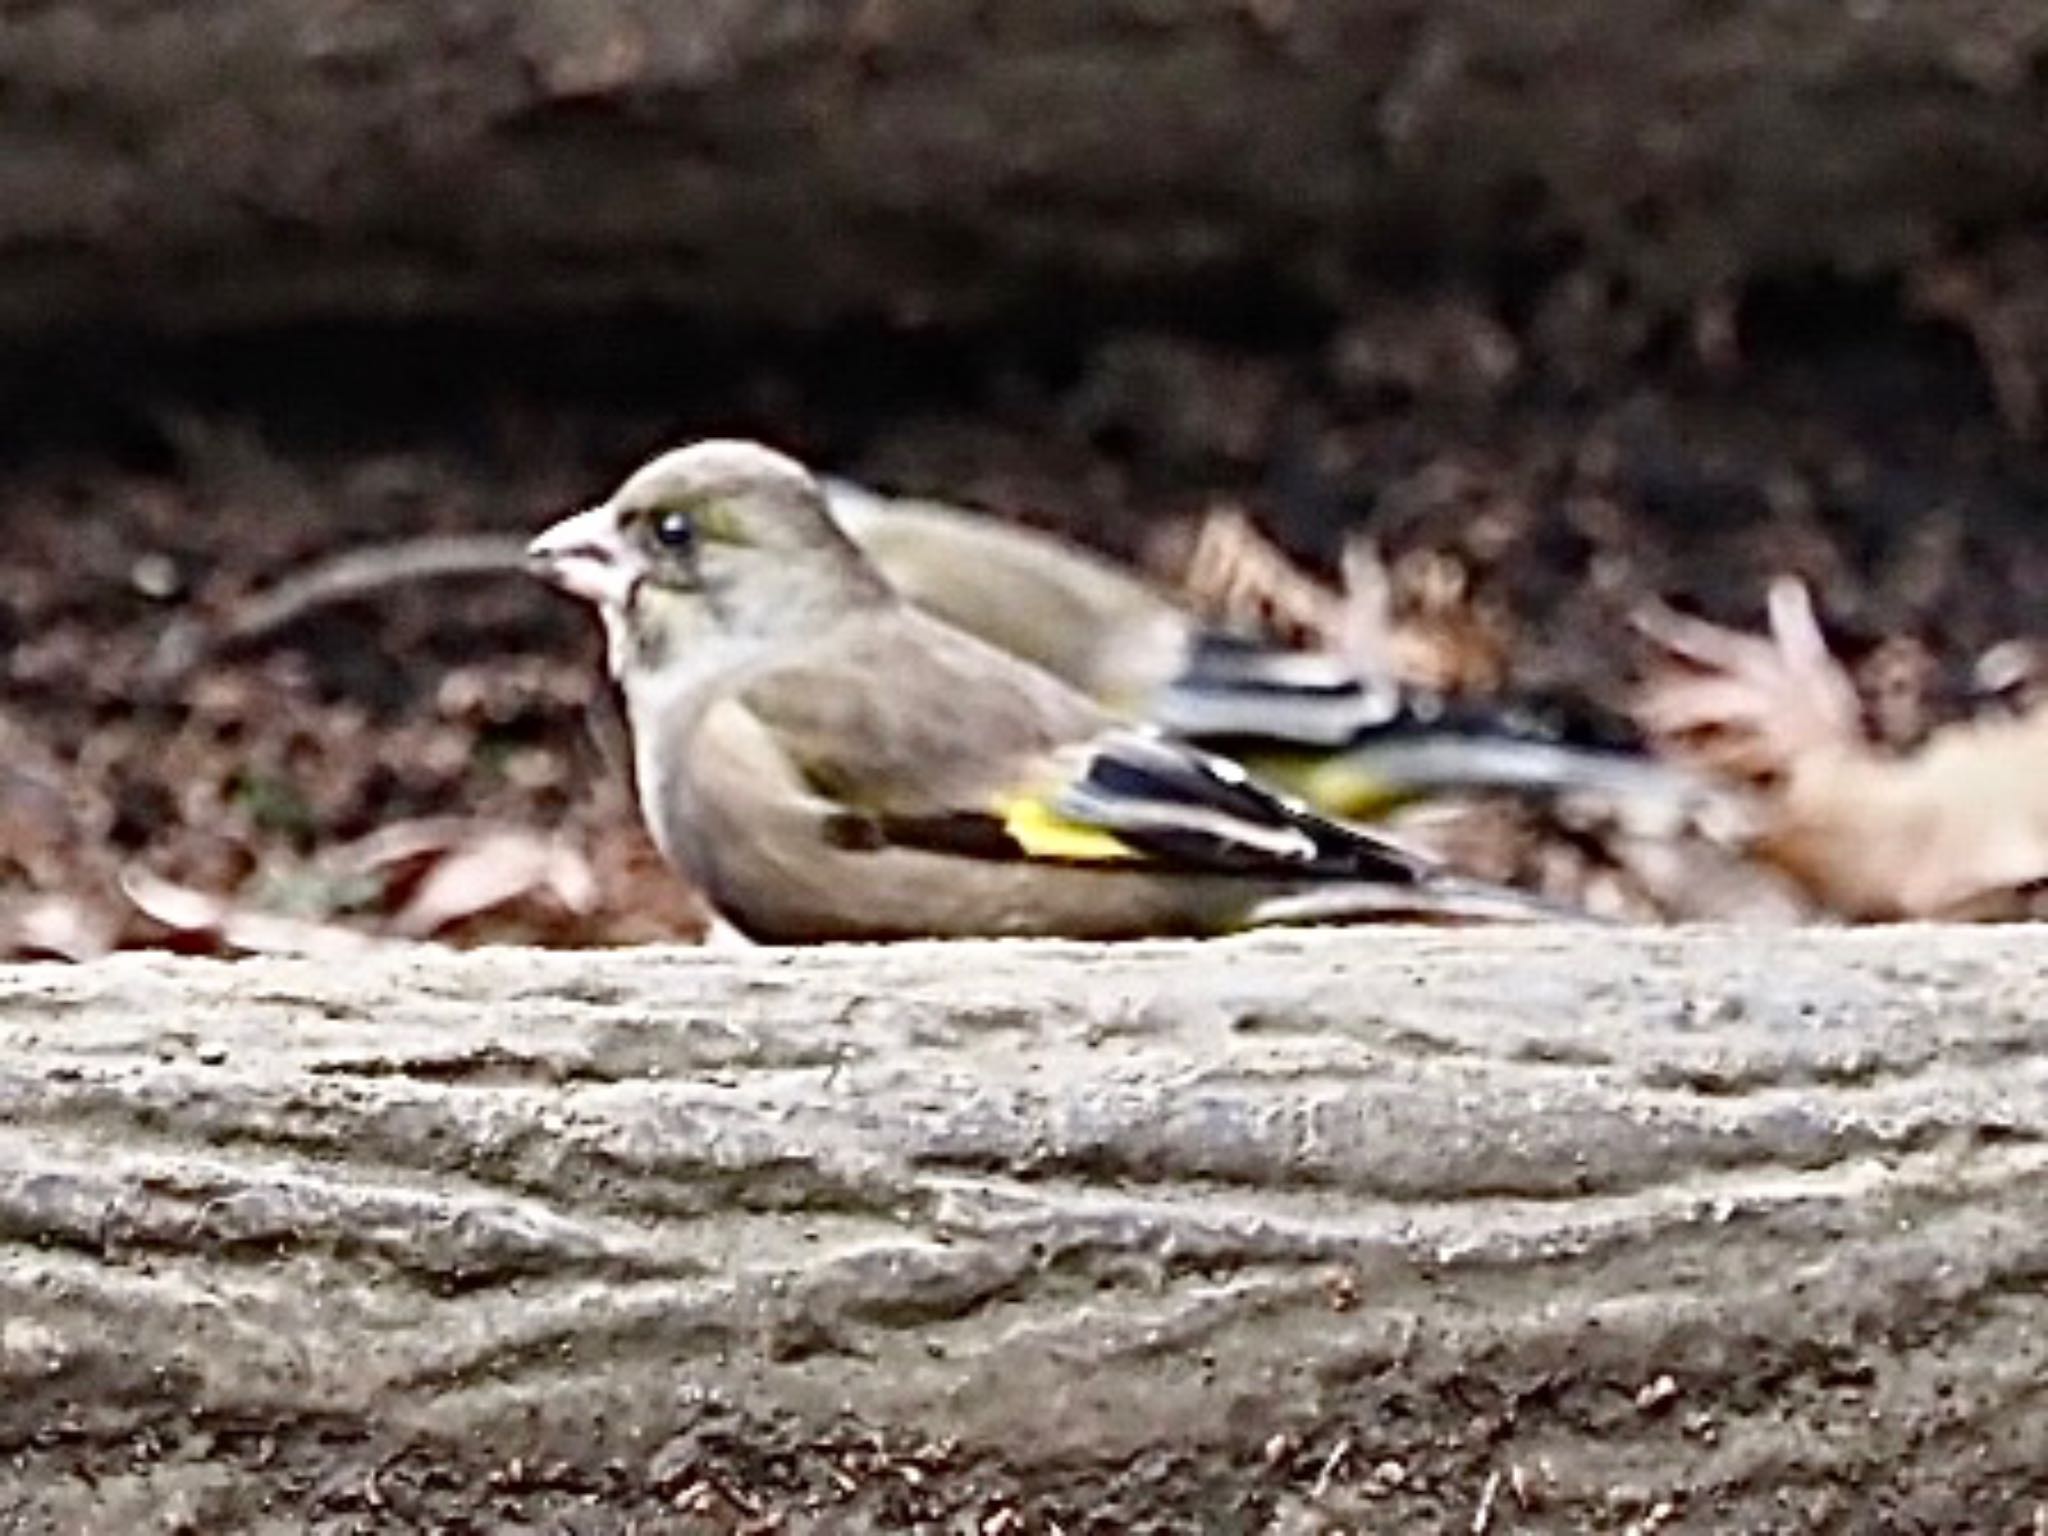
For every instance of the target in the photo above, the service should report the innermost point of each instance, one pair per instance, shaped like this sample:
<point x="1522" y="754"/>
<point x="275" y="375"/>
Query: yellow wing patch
<point x="1333" y="785"/>
<point x="1045" y="834"/>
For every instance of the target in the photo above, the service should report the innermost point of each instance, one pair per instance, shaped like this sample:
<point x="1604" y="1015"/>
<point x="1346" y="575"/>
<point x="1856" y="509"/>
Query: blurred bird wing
<point x="1241" y="689"/>
<point x="1089" y="621"/>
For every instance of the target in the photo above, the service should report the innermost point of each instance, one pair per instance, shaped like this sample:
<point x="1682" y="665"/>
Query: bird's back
<point x="897" y="710"/>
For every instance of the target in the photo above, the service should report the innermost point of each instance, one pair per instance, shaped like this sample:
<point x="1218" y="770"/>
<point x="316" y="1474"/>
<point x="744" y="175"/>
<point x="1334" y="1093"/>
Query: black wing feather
<point x="1234" y="693"/>
<point x="1191" y="808"/>
<point x="1170" y="804"/>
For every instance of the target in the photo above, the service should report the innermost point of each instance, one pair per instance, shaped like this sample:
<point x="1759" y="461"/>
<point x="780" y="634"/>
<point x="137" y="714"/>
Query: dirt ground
<point x="1833" y="433"/>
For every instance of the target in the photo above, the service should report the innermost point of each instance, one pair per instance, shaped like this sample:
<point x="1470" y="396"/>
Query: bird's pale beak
<point x="584" y="556"/>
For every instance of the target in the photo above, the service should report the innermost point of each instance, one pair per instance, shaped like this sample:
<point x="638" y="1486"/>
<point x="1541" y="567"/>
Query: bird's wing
<point x="1143" y="796"/>
<point x="917" y="735"/>
<point x="1103" y="629"/>
<point x="1353" y="746"/>
<point x="1357" y="748"/>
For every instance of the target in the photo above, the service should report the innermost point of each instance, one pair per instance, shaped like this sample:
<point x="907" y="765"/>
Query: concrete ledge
<point x="1338" y="1230"/>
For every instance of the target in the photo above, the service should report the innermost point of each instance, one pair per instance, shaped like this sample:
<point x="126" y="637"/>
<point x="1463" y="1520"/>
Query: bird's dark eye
<point x="676" y="531"/>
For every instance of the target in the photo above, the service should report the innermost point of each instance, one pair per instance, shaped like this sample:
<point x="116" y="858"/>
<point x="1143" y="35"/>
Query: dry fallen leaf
<point x="1957" y="828"/>
<point x="445" y="871"/>
<point x="1238" y="578"/>
<point x="227" y="926"/>
<point x="1743" y="705"/>
<point x="57" y="927"/>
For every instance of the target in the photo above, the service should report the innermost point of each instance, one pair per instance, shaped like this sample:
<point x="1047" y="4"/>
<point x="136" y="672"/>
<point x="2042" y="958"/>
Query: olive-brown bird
<point x="1352" y="746"/>
<point x="825" y="760"/>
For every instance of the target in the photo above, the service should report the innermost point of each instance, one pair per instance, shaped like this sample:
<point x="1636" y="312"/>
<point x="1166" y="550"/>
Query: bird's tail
<point x="1437" y="764"/>
<point x="1433" y="899"/>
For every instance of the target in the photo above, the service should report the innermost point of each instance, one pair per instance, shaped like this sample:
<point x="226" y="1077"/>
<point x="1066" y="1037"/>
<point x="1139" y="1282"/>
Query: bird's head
<point x="719" y="537"/>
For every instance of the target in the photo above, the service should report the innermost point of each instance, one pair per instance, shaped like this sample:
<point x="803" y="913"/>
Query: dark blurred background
<point x="1594" y="301"/>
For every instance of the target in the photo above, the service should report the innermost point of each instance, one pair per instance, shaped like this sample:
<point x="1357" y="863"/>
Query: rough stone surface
<point x="919" y="161"/>
<point x="1382" y="1230"/>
